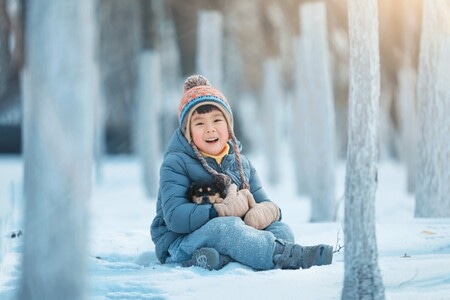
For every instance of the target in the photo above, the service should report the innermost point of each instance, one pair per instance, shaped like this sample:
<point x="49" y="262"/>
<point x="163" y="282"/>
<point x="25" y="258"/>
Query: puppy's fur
<point x="205" y="193"/>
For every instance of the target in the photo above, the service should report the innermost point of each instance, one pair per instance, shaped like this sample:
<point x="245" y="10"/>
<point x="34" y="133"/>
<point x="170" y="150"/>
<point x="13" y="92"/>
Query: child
<point x="246" y="226"/>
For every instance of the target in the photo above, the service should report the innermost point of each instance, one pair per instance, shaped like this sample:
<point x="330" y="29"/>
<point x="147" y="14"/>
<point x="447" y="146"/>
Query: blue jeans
<point x="232" y="237"/>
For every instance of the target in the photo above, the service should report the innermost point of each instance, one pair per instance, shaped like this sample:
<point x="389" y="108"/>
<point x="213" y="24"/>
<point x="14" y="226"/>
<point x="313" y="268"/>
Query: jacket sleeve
<point x="256" y="189"/>
<point x="255" y="186"/>
<point x="180" y="214"/>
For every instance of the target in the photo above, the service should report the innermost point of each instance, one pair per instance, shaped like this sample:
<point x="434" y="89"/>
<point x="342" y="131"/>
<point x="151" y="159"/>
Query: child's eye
<point x="218" y="120"/>
<point x="198" y="124"/>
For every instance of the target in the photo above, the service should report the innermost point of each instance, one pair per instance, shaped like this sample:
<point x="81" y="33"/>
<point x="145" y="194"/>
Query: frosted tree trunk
<point x="209" y="46"/>
<point x="318" y="111"/>
<point x="149" y="98"/>
<point x="119" y="47"/>
<point x="362" y="275"/>
<point x="385" y="131"/>
<point x="233" y="58"/>
<point x="406" y="107"/>
<point x="273" y="104"/>
<point x="166" y="45"/>
<point x="433" y="96"/>
<point x="5" y="56"/>
<point x="300" y="117"/>
<point x="99" y="125"/>
<point x="165" y="42"/>
<point x="243" y="58"/>
<point x="242" y="69"/>
<point x="58" y="147"/>
<point x="406" y="104"/>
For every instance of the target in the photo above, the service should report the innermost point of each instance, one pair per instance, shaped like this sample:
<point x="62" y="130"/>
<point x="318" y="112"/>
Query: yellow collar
<point x="219" y="156"/>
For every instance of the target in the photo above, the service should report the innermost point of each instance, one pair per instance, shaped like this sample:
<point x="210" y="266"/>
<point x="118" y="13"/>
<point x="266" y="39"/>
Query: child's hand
<point x="235" y="204"/>
<point x="262" y="215"/>
<point x="251" y="201"/>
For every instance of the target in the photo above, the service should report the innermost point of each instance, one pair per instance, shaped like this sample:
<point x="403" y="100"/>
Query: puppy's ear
<point x="221" y="186"/>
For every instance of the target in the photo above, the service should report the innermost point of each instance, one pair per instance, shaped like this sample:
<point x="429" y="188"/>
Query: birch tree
<point x="433" y="96"/>
<point x="209" y="46"/>
<point x="317" y="113"/>
<point x="362" y="275"/>
<point x="272" y="111"/>
<point x="119" y="46"/>
<point x="299" y="114"/>
<point x="4" y="49"/>
<point x="406" y="94"/>
<point x="58" y="147"/>
<point x="160" y="35"/>
<point x="11" y="48"/>
<point x="408" y="122"/>
<point x="149" y="98"/>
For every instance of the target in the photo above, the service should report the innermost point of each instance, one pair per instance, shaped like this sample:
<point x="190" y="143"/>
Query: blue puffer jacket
<point x="175" y="214"/>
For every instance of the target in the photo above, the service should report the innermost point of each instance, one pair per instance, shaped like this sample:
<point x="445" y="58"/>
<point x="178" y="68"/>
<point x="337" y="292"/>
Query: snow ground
<point x="414" y="254"/>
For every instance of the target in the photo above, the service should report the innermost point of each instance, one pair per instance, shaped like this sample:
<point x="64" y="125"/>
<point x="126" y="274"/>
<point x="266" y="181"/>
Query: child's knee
<point x="225" y="225"/>
<point x="227" y="222"/>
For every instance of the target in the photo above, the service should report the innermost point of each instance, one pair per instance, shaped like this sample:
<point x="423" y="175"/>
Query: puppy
<point x="205" y="193"/>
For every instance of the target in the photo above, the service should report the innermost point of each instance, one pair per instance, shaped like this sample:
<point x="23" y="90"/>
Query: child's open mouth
<point x="212" y="140"/>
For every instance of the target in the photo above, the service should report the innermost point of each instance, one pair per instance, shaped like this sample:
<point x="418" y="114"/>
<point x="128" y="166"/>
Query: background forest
<point x="253" y="32"/>
<point x="84" y="83"/>
<point x="254" y="53"/>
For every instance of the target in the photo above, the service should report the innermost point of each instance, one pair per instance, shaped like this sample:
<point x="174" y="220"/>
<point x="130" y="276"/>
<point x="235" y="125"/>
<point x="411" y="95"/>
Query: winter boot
<point x="207" y="258"/>
<point x="293" y="256"/>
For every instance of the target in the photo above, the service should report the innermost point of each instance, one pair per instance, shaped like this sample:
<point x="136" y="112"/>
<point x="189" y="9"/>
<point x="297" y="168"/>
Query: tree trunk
<point x="406" y="104"/>
<point x="149" y="99"/>
<point x="5" y="56"/>
<point x="159" y="34"/>
<point x="407" y="118"/>
<point x="433" y="99"/>
<point x="119" y="48"/>
<point x="301" y="118"/>
<point x="318" y="111"/>
<point x="272" y="110"/>
<point x="58" y="147"/>
<point x="362" y="276"/>
<point x="209" y="47"/>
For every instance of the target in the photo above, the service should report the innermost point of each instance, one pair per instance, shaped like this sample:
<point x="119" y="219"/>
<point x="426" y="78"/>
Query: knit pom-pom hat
<point x="198" y="92"/>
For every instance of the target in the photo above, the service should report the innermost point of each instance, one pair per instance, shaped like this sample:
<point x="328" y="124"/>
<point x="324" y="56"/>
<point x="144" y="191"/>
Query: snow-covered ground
<point x="414" y="254"/>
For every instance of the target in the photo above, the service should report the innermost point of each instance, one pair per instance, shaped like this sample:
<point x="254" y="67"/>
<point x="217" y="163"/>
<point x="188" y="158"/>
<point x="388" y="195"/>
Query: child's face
<point x="209" y="131"/>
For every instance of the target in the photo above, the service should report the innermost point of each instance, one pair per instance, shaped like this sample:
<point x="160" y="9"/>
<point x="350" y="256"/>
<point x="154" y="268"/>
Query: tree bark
<point x="272" y="110"/>
<point x="317" y="111"/>
<point x="362" y="276"/>
<point x="149" y="100"/>
<point x="5" y="56"/>
<point x="58" y="147"/>
<point x="209" y="47"/>
<point x="433" y="98"/>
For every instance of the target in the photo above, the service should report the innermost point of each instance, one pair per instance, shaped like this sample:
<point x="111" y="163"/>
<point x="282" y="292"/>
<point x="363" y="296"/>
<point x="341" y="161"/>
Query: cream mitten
<point x="262" y="215"/>
<point x="236" y="203"/>
<point x="246" y="193"/>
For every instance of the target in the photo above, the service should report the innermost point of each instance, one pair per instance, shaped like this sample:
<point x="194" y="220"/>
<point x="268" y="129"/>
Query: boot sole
<point x="206" y="258"/>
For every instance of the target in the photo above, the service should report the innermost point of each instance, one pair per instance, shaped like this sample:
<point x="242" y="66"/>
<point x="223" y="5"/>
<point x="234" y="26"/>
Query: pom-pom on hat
<point x="198" y="92"/>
